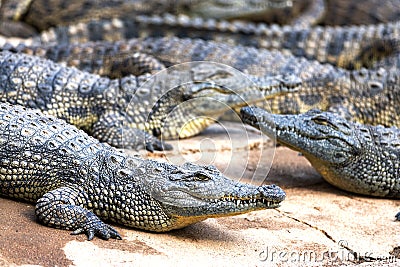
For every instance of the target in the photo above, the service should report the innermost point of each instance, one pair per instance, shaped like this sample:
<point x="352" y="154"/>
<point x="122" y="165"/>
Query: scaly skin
<point x="103" y="58"/>
<point x="354" y="157"/>
<point x="267" y="11"/>
<point x="366" y="96"/>
<point x="76" y="181"/>
<point x="307" y="13"/>
<point x="299" y="13"/>
<point x="116" y="59"/>
<point x="172" y="50"/>
<point x="42" y="14"/>
<point x="345" y="12"/>
<point x="125" y="112"/>
<point x="341" y="46"/>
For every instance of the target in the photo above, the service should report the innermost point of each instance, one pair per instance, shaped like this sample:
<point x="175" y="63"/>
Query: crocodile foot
<point x="63" y="208"/>
<point x="155" y="144"/>
<point x="95" y="227"/>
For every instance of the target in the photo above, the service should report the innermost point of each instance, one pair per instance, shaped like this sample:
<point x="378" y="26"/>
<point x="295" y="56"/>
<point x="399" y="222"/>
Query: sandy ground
<point x="317" y="225"/>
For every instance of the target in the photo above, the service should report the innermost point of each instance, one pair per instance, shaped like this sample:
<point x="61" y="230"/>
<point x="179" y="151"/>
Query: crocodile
<point x="304" y="13"/>
<point x="340" y="46"/>
<point x="367" y="96"/>
<point x="129" y="111"/>
<point x="355" y="157"/>
<point x="77" y="182"/>
<point x="155" y="18"/>
<point x="103" y="58"/>
<point x="93" y="56"/>
<point x="43" y="14"/>
<point x="299" y="13"/>
<point x="360" y="13"/>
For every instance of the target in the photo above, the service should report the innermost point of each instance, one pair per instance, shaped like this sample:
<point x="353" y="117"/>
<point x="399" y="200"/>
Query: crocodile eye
<point x="340" y="155"/>
<point x="320" y="120"/>
<point x="202" y="177"/>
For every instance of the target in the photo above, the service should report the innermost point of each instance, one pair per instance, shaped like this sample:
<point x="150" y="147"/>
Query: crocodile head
<point x="343" y="152"/>
<point x="190" y="193"/>
<point x="316" y="134"/>
<point x="188" y="109"/>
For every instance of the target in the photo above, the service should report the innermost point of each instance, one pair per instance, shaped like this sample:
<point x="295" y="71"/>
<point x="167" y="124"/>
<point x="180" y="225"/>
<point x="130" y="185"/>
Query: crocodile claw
<point x="99" y="229"/>
<point x="155" y="144"/>
<point x="150" y="147"/>
<point x="160" y="145"/>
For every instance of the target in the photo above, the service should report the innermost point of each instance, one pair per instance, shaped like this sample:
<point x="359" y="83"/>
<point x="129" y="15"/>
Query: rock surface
<point x="317" y="225"/>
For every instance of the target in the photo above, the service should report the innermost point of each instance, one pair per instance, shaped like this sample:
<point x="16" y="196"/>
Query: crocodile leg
<point x="110" y="128"/>
<point x="64" y="208"/>
<point x="136" y="64"/>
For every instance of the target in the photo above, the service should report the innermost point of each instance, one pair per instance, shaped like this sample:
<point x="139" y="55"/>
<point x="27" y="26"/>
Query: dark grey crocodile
<point x="354" y="157"/>
<point x="127" y="112"/>
<point x="93" y="56"/>
<point x="39" y="15"/>
<point x="303" y="13"/>
<point x="42" y="14"/>
<point x="341" y="46"/>
<point x="360" y="13"/>
<point x="366" y="96"/>
<point x="77" y="182"/>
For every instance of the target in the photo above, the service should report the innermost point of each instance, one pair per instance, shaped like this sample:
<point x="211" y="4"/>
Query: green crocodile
<point x="76" y="181"/>
<point x="354" y="157"/>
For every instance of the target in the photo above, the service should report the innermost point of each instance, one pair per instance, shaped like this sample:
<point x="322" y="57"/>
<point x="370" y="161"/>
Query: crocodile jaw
<point x="263" y="197"/>
<point x="320" y="136"/>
